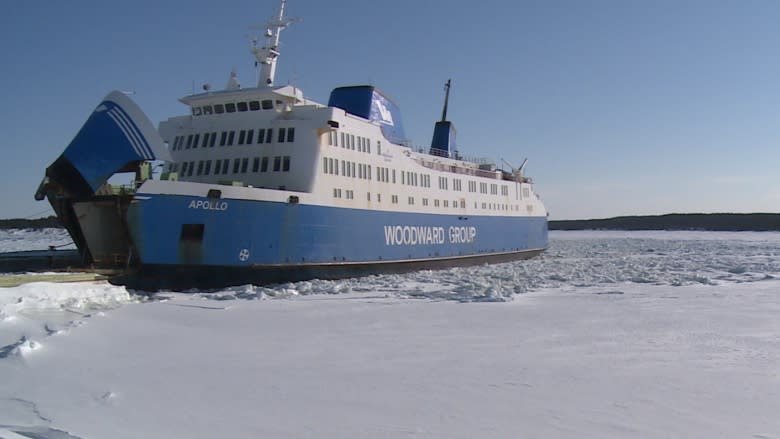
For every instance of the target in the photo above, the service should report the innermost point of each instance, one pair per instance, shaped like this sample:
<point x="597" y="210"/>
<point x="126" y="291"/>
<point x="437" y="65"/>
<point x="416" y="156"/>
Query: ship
<point x="261" y="185"/>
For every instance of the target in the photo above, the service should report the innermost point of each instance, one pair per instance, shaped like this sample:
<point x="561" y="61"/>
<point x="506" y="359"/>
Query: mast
<point x="446" y="99"/>
<point x="267" y="55"/>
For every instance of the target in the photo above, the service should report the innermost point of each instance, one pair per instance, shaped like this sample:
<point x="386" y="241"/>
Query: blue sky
<point x="622" y="107"/>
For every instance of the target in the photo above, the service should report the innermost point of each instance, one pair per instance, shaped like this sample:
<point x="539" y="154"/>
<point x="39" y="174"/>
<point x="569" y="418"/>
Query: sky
<point x="622" y="107"/>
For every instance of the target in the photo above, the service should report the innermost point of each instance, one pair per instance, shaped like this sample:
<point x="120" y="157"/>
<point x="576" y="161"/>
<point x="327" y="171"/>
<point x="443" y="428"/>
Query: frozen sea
<point x="607" y="335"/>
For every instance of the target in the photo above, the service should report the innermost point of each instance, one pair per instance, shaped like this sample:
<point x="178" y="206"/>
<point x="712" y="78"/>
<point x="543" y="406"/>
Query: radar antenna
<point x="267" y="54"/>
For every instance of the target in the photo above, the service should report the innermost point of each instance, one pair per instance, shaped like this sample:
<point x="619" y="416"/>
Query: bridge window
<point x="268" y="104"/>
<point x="219" y="108"/>
<point x="254" y="105"/>
<point x="241" y="106"/>
<point x="230" y="107"/>
<point x="207" y="110"/>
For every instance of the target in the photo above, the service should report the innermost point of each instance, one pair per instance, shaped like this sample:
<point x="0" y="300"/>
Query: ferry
<point x="259" y="185"/>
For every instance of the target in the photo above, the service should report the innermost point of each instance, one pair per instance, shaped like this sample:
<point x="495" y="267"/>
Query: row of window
<point x="353" y="142"/>
<point x="227" y="138"/>
<point x="232" y="107"/>
<point x="240" y="166"/>
<point x="347" y="168"/>
<point x="350" y="194"/>
<point x="331" y="166"/>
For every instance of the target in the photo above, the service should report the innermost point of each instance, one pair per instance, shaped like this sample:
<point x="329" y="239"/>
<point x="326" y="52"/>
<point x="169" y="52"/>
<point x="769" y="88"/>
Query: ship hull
<point x="195" y="242"/>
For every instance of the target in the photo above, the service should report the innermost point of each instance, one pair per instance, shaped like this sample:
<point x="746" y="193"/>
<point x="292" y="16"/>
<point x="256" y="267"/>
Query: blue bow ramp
<point x="116" y="137"/>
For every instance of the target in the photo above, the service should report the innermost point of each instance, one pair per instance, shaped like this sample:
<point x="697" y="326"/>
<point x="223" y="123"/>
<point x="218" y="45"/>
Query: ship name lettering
<point x="208" y="205"/>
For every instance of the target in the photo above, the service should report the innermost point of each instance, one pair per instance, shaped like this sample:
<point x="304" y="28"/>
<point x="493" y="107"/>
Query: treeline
<point x="678" y="221"/>
<point x="39" y="223"/>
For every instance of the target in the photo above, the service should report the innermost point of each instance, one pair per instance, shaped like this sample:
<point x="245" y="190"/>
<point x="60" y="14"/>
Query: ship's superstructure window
<point x="225" y="164"/>
<point x="200" y="167"/>
<point x="184" y="168"/>
<point x="435" y="203"/>
<point x="260" y="135"/>
<point x="207" y="110"/>
<point x="268" y="104"/>
<point x="241" y="137"/>
<point x="504" y="190"/>
<point x="424" y="201"/>
<point x="264" y="165"/>
<point x="250" y="137"/>
<point x="219" y="108"/>
<point x="230" y="107"/>
<point x="282" y="135"/>
<point x="256" y="164"/>
<point x="189" y="141"/>
<point x="472" y="186"/>
<point x="217" y="165"/>
<point x="205" y="141"/>
<point x="254" y="105"/>
<point x="336" y="193"/>
<point x="286" y="163"/>
<point x="236" y="165"/>
<point x="244" y="165"/>
<point x="231" y="137"/>
<point x="394" y="199"/>
<point x="483" y="188"/>
<point x="277" y="163"/>
<point x="241" y="106"/>
<point x="269" y="135"/>
<point x="207" y="168"/>
<point x="411" y="201"/>
<point x="443" y="183"/>
<point x="493" y="189"/>
<point x="290" y="135"/>
<point x="192" y="168"/>
<point x="393" y="176"/>
<point x="526" y="193"/>
<point x="213" y="139"/>
<point x="350" y="194"/>
<point x="457" y="184"/>
<point x="196" y="111"/>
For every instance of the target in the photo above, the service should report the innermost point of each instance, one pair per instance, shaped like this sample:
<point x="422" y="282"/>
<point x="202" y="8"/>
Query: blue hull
<point x="184" y="242"/>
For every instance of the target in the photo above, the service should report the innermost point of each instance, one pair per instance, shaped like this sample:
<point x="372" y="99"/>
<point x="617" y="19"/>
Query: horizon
<point x="622" y="108"/>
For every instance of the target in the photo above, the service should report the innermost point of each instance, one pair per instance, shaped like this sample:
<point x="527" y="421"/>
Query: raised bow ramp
<point x="117" y="137"/>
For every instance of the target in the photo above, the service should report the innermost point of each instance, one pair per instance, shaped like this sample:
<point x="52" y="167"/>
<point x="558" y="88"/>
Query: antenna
<point x="267" y="55"/>
<point x="446" y="99"/>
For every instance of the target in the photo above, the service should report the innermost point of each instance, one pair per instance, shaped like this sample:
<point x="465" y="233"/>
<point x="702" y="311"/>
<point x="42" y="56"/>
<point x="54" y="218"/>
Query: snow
<point x="608" y="335"/>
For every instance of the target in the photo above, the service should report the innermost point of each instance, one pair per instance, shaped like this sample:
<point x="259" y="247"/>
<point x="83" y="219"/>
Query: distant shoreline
<point x="732" y="222"/>
<point x="721" y="222"/>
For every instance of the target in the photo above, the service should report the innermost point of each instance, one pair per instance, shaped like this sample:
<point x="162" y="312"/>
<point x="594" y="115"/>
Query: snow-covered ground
<point x="607" y="335"/>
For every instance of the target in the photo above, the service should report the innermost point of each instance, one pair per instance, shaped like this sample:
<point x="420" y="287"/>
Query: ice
<point x="607" y="335"/>
<point x="12" y="240"/>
